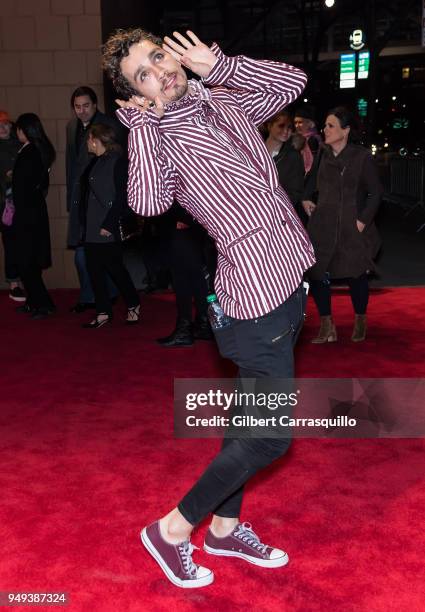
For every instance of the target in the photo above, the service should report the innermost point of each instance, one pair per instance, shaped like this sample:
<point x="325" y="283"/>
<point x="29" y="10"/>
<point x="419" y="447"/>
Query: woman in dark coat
<point x="341" y="225"/>
<point x="102" y="202"/>
<point x="284" y="146"/>
<point x="30" y="183"/>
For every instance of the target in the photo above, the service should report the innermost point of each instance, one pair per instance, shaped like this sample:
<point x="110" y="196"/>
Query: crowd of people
<point x="250" y="193"/>
<point x="330" y="180"/>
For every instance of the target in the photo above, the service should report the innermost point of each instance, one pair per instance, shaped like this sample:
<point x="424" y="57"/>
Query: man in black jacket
<point x="84" y="105"/>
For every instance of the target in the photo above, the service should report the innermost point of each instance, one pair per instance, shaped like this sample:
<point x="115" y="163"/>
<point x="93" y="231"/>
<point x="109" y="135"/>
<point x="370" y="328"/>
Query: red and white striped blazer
<point x="207" y="153"/>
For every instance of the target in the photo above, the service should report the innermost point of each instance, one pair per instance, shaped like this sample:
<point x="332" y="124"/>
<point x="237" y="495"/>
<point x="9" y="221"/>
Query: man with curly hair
<point x="197" y="141"/>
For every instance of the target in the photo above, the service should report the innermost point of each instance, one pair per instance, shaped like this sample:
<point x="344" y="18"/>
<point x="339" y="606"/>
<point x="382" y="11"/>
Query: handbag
<point x="9" y="209"/>
<point x="130" y="225"/>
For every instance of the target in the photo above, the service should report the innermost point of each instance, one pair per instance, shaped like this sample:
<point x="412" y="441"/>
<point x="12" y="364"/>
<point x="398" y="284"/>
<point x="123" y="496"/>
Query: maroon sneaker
<point x="175" y="560"/>
<point x="242" y="542"/>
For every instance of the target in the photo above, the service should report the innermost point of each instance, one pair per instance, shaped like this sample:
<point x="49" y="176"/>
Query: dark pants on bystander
<point x="10" y="247"/>
<point x="104" y="259"/>
<point x="30" y="270"/>
<point x="359" y="292"/>
<point x="186" y="263"/>
<point x="262" y="348"/>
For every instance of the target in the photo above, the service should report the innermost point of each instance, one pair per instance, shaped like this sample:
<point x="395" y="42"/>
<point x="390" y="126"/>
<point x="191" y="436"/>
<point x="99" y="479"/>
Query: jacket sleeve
<point x="310" y="181"/>
<point x="372" y="189"/>
<point x="261" y="87"/>
<point x="151" y="178"/>
<point x="111" y="220"/>
<point x="27" y="177"/>
<point x="291" y="175"/>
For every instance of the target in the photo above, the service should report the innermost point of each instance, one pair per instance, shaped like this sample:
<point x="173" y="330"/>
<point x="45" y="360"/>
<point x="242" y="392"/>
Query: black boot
<point x="181" y="336"/>
<point x="202" y="328"/>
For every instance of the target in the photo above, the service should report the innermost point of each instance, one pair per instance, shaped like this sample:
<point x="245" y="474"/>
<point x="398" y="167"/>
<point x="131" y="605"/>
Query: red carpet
<point x="88" y="458"/>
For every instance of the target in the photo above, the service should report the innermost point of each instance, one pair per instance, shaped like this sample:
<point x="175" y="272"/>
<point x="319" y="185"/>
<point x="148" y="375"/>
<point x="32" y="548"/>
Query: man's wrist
<point x="223" y="68"/>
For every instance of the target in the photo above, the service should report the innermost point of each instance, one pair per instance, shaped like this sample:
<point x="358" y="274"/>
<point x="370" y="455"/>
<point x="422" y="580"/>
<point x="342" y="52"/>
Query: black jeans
<point x="10" y="248"/>
<point x="359" y="292"/>
<point x="103" y="259"/>
<point x="30" y="270"/>
<point x="262" y="348"/>
<point x="186" y="263"/>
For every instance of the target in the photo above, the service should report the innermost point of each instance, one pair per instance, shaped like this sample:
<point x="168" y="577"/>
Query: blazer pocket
<point x="244" y="237"/>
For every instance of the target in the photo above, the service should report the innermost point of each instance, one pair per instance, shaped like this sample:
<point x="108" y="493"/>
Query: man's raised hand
<point x="143" y="105"/>
<point x="192" y="53"/>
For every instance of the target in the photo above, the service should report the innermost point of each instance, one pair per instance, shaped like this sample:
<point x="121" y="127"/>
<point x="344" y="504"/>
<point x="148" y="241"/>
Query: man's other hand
<point x="192" y="53"/>
<point x="143" y="105"/>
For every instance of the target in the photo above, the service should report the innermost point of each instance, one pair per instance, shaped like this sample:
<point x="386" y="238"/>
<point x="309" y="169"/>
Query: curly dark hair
<point x="116" y="48"/>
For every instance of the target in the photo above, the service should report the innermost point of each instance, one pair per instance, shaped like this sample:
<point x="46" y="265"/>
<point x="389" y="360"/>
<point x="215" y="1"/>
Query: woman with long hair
<point x="102" y="202"/>
<point x="341" y="224"/>
<point x="30" y="184"/>
<point x="285" y="146"/>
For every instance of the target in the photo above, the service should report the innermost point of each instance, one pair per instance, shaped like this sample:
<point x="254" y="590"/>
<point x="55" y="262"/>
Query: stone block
<point x="61" y="133"/>
<point x="18" y="33"/>
<point x="57" y="174"/>
<point x="52" y="32"/>
<point x="53" y="203"/>
<point x="10" y="69"/>
<point x="62" y="195"/>
<point x="33" y="7"/>
<point x="54" y="102"/>
<point x="50" y="129"/>
<point x="66" y="7"/>
<point x="71" y="276"/>
<point x="3" y="102"/>
<point x="22" y="100"/>
<point x="70" y="67"/>
<point x="85" y="32"/>
<point x="94" y="71"/>
<point x="8" y="8"/>
<point x="37" y="68"/>
<point x="58" y="232"/>
<point x="92" y="7"/>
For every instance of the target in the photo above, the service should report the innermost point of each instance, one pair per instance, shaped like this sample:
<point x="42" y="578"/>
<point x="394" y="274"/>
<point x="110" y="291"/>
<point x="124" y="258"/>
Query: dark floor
<point x="402" y="257"/>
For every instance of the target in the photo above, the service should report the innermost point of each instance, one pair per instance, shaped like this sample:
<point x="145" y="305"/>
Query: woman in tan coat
<point x="341" y="225"/>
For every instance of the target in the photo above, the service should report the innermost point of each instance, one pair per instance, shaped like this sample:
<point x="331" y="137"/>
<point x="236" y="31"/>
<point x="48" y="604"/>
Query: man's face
<point x="5" y="129"/>
<point x="153" y="72"/>
<point x="303" y="125"/>
<point x="84" y="108"/>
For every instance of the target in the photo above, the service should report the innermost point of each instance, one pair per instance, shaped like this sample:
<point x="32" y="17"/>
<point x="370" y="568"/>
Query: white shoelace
<point x="186" y="549"/>
<point x="245" y="533"/>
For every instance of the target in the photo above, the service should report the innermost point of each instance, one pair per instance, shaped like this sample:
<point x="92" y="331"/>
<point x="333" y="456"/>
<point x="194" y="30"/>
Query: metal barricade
<point x="407" y="183"/>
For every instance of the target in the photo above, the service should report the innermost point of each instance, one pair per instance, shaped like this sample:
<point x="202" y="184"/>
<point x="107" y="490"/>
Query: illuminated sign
<point x="347" y="70"/>
<point x="362" y="107"/>
<point x="357" y="40"/>
<point x="401" y="123"/>
<point x="363" y="68"/>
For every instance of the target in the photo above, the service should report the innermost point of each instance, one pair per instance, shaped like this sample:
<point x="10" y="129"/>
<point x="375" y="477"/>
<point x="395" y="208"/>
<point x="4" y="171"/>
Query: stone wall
<point x="47" y="49"/>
